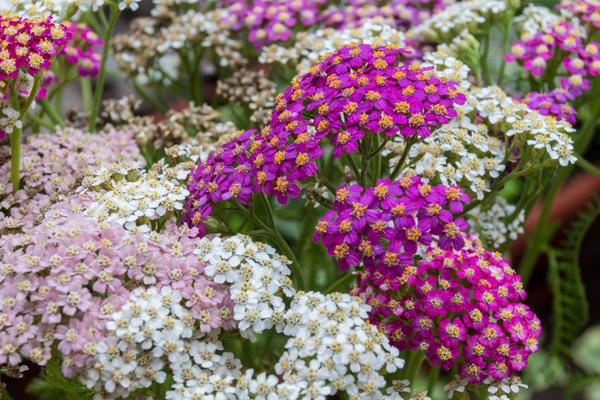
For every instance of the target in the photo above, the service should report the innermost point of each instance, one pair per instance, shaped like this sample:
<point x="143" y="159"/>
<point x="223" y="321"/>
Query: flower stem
<point x="400" y="164"/>
<point x="52" y="113"/>
<point x="15" y="157"/>
<point x="414" y="364"/>
<point x="114" y="15"/>
<point x="340" y="283"/>
<point x="433" y="378"/>
<point x="587" y="166"/>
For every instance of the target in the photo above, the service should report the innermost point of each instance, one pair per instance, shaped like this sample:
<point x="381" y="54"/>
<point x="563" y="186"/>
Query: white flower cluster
<point x="461" y="153"/>
<point x="153" y="332"/>
<point x="469" y="14"/>
<point x="534" y="19"/>
<point x="507" y="385"/>
<point x="257" y="274"/>
<point x="493" y="224"/>
<point x="333" y="347"/>
<point x="309" y="47"/>
<point x="133" y="197"/>
<point x="543" y="133"/>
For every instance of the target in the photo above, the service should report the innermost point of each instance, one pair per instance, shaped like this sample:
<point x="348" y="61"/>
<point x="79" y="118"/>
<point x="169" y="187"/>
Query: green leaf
<point x="570" y="306"/>
<point x="72" y="388"/>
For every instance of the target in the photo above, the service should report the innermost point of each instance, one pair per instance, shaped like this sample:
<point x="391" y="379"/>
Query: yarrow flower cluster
<point x="354" y="93"/>
<point x="332" y="348"/>
<point x="456" y="17"/>
<point x="28" y="47"/>
<point x="81" y="50"/>
<point x="257" y="277"/>
<point x="71" y="273"/>
<point x="52" y="164"/>
<point x="548" y="43"/>
<point x="460" y="307"/>
<point x="384" y="227"/>
<point x="151" y="334"/>
<point x="497" y="222"/>
<point x="310" y="47"/>
<point x="268" y="22"/>
<point x="133" y="197"/>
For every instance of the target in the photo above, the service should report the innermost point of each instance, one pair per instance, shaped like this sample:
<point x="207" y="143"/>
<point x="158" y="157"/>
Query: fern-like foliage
<point x="71" y="388"/>
<point x="570" y="306"/>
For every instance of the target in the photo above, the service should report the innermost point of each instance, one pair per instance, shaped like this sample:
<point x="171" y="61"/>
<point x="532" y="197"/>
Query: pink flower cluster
<point x="384" y="226"/>
<point x="28" y="45"/>
<point x="586" y="10"/>
<point x="559" y="43"/>
<point x="398" y="13"/>
<point x="63" y="281"/>
<point x="81" y="50"/>
<point x="52" y="163"/>
<point x="268" y="21"/>
<point x="458" y="306"/>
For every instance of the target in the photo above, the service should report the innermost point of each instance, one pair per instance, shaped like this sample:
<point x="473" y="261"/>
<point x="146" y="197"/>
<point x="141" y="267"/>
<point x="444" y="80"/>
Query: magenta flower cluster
<point x="398" y="13"/>
<point x="269" y="22"/>
<point x="63" y="280"/>
<point x="383" y="226"/>
<point x="460" y="307"/>
<point x="82" y="49"/>
<point x="28" y="45"/>
<point x="357" y="92"/>
<point x="553" y="103"/>
<point x="559" y="43"/>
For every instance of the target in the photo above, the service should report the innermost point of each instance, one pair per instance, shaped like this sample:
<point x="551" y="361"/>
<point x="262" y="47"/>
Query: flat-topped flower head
<point x="461" y="306"/>
<point x="386" y="225"/>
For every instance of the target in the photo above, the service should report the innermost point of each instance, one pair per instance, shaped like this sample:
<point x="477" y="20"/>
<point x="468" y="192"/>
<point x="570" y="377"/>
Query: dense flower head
<point x="459" y="16"/>
<point x="460" y="307"/>
<point x="68" y="275"/>
<point x="82" y="49"/>
<point x="53" y="163"/>
<point x="547" y="40"/>
<point x="587" y="10"/>
<point x="400" y="14"/>
<point x="553" y="103"/>
<point x="383" y="227"/>
<point x="309" y="47"/>
<point x="131" y="196"/>
<point x="268" y="21"/>
<point x="332" y="347"/>
<point x="28" y="44"/>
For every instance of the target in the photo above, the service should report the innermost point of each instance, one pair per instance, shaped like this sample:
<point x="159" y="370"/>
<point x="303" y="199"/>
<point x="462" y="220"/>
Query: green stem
<point x="400" y="164"/>
<point x="414" y="364"/>
<point x="15" y="157"/>
<point x="587" y="166"/>
<point x="342" y="282"/>
<point x="506" y="45"/>
<point x="433" y="378"/>
<point x="279" y="240"/>
<point x="86" y="94"/>
<point x="146" y="96"/>
<point x="114" y="15"/>
<point x="42" y="122"/>
<point x="377" y="158"/>
<point x="484" y="57"/>
<point x="352" y="164"/>
<point x="52" y="113"/>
